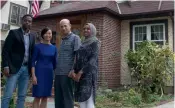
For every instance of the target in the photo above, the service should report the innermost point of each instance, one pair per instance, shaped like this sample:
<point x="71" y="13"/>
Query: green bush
<point x="136" y="100"/>
<point x="110" y="95"/>
<point x="151" y="66"/>
<point x="131" y="97"/>
<point x="134" y="97"/>
<point x="153" y="98"/>
<point x="132" y="92"/>
<point x="114" y="96"/>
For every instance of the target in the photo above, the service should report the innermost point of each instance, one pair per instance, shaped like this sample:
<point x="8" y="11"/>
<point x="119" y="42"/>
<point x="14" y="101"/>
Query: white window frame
<point x="148" y="33"/>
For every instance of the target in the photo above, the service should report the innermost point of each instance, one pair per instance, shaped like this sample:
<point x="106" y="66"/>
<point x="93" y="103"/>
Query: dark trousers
<point x="63" y="92"/>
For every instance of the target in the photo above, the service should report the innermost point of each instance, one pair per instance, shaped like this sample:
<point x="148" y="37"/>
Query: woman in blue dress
<point x="43" y="65"/>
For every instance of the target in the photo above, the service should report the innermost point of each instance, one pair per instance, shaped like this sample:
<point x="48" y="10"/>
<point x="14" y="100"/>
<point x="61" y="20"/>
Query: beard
<point x="26" y="27"/>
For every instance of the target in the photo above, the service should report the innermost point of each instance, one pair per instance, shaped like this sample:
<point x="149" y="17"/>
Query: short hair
<point x="26" y="15"/>
<point x="44" y="30"/>
<point x="65" y="20"/>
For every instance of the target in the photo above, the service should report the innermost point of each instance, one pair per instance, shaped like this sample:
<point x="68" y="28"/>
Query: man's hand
<point x="71" y="74"/>
<point x="6" y="72"/>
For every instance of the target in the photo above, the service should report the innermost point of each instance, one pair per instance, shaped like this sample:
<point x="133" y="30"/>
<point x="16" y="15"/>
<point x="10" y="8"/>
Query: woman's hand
<point x="71" y="74"/>
<point x="34" y="80"/>
<point x="78" y="76"/>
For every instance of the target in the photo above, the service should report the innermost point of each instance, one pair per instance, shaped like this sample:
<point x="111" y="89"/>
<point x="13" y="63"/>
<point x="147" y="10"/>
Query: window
<point x="22" y="12"/>
<point x="16" y="13"/>
<point x="155" y="32"/>
<point x="76" y="31"/>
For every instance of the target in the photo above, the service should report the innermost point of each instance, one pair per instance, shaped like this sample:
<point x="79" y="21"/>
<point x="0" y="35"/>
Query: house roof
<point x="123" y="9"/>
<point x="146" y="7"/>
<point x="83" y="6"/>
<point x="3" y="3"/>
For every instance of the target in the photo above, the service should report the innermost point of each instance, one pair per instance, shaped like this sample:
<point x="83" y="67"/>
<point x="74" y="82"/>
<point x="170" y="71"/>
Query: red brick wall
<point x="112" y="45"/>
<point x="97" y="20"/>
<point x="108" y="31"/>
<point x="38" y="25"/>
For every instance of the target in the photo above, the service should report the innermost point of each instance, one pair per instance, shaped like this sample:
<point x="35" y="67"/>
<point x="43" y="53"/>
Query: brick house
<point x="119" y="25"/>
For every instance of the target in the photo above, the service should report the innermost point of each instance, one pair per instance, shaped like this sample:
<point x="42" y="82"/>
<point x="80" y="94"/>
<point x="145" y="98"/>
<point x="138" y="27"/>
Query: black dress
<point x="87" y="60"/>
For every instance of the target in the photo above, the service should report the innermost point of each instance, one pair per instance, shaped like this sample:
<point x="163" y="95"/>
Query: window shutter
<point x="14" y="14"/>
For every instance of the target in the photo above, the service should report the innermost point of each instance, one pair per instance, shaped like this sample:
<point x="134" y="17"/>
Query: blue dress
<point x="44" y="61"/>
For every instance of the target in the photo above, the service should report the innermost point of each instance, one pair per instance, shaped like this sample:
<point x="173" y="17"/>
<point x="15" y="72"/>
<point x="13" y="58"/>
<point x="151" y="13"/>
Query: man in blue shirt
<point x="63" y="83"/>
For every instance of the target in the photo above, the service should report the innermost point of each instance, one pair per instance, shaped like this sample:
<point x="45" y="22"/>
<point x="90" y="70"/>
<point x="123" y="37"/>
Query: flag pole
<point x="30" y="8"/>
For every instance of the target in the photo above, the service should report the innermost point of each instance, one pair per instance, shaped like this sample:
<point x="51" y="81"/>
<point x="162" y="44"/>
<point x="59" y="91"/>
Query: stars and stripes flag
<point x="35" y="8"/>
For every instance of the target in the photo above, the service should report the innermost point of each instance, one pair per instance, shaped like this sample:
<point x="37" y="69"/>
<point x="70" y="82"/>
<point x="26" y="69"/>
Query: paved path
<point x="167" y="105"/>
<point x="49" y="105"/>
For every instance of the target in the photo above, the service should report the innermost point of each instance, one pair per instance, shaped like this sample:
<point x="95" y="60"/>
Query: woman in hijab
<point x="86" y="68"/>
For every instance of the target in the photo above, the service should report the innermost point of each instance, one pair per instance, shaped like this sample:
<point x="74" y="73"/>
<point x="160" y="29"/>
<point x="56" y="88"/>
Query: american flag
<point x="35" y="8"/>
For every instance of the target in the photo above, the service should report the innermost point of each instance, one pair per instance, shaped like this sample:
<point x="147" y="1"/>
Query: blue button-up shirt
<point x="69" y="45"/>
<point x="26" y="44"/>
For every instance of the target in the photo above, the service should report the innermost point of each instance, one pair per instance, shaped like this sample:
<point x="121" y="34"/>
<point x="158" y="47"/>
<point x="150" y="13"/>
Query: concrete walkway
<point x="167" y="105"/>
<point x="49" y="105"/>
